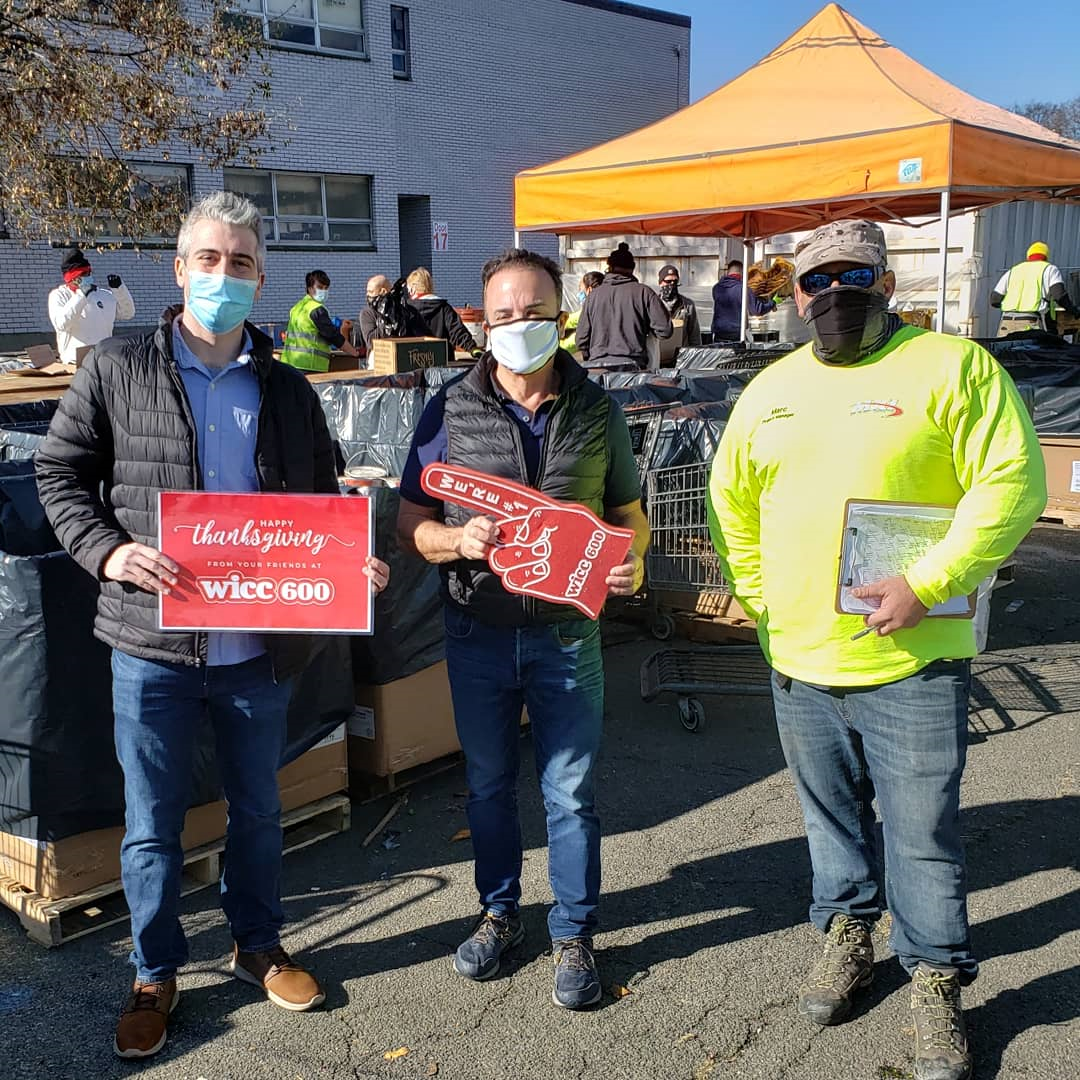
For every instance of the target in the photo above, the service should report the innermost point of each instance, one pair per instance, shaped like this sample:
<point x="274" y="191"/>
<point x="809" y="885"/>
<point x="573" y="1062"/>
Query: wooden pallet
<point x="365" y="787"/>
<point x="54" y="922"/>
<point x="1061" y="513"/>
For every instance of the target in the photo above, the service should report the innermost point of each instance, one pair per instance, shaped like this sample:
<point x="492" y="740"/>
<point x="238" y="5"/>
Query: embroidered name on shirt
<point x="782" y="412"/>
<point x="882" y="408"/>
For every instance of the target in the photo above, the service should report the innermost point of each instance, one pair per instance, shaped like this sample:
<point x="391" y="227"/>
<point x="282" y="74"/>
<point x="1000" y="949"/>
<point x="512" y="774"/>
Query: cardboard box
<point x="403" y="723"/>
<point x="339" y="361"/>
<point x="1062" y="457"/>
<point x="391" y="355"/>
<point x="44" y="361"/>
<point x="79" y="863"/>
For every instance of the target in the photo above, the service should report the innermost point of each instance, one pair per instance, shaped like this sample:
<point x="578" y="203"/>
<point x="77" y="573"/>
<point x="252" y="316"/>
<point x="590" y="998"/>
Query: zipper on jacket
<point x="523" y="471"/>
<point x="530" y="604"/>
<point x="265" y="412"/>
<point x="201" y="640"/>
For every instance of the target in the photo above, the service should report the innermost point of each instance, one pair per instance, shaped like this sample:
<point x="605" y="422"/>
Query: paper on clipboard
<point x="883" y="539"/>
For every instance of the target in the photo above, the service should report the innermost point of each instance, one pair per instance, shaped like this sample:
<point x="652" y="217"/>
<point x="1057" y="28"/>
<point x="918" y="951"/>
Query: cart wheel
<point x="691" y="713"/>
<point x="662" y="627"/>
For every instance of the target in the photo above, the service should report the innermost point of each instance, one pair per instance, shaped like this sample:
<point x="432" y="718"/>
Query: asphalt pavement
<point x="705" y="934"/>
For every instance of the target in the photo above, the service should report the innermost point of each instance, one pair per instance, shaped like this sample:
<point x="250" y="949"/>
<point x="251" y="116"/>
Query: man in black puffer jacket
<point x="200" y="404"/>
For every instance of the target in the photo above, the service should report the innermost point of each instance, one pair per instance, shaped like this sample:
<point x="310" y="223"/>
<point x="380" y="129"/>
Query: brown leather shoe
<point x="142" y="1028"/>
<point x="286" y="983"/>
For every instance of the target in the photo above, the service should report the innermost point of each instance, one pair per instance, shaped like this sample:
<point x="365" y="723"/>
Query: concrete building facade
<point x="397" y="132"/>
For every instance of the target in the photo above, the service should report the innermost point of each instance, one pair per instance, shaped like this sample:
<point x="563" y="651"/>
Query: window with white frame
<point x="325" y="25"/>
<point x="308" y="208"/>
<point x="399" y="42"/>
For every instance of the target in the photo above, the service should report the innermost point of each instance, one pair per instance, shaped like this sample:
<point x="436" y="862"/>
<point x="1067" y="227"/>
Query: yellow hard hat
<point x="1038" y="248"/>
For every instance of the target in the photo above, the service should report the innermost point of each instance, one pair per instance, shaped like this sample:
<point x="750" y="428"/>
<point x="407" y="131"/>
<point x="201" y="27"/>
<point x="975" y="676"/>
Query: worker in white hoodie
<point x="83" y="313"/>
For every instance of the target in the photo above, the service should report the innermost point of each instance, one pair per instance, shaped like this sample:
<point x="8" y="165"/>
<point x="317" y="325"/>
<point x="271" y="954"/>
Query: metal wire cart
<point x="709" y="669"/>
<point x="682" y="568"/>
<point x="684" y="575"/>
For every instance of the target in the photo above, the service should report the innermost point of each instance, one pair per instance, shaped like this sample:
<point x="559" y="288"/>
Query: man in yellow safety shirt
<point x="874" y="705"/>
<point x="1030" y="293"/>
<point x="311" y="335"/>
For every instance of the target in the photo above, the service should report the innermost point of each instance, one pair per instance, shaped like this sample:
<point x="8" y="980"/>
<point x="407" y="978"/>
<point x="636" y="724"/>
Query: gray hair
<point x="229" y="209"/>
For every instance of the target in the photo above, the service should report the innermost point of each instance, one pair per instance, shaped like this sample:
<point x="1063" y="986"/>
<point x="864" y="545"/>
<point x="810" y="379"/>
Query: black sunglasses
<point x="669" y="281"/>
<point x="861" y="277"/>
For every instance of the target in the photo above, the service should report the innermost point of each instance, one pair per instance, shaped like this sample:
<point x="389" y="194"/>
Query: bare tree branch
<point x="1062" y="117"/>
<point x="88" y="87"/>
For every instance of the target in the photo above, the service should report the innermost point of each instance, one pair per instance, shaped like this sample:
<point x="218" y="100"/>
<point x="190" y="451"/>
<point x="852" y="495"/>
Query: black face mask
<point x="669" y="292"/>
<point x="848" y="323"/>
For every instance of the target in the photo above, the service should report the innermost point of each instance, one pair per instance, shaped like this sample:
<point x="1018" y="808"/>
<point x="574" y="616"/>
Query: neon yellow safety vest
<point x="303" y="347"/>
<point x="1025" y="291"/>
<point x="569" y="341"/>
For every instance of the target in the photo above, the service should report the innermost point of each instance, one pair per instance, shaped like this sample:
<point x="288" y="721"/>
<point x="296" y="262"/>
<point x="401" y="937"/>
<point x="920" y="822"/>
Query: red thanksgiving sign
<point x="556" y="551"/>
<point x="266" y="562"/>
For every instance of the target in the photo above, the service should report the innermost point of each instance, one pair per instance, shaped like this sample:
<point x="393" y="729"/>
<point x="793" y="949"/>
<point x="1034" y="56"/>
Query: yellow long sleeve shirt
<point x="928" y="418"/>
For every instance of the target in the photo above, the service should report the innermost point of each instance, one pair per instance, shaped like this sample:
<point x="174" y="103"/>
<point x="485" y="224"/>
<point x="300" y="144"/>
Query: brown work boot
<point x="941" y="1048"/>
<point x="142" y="1028"/>
<point x="846" y="964"/>
<point x="286" y="983"/>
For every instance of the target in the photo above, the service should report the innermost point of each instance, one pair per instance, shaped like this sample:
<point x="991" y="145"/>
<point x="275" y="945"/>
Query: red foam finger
<point x="560" y="552"/>
<point x="490" y="495"/>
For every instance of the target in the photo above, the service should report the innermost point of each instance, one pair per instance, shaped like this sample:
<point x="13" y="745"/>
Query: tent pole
<point x="944" y="260"/>
<point x="517" y="238"/>
<point x="744" y="320"/>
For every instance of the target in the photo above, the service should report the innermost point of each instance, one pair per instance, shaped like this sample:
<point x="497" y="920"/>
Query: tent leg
<point x="944" y="261"/>
<point x="744" y="317"/>
<point x="517" y="238"/>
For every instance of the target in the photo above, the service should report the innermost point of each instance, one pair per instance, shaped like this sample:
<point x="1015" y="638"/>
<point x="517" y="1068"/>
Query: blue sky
<point x="990" y="48"/>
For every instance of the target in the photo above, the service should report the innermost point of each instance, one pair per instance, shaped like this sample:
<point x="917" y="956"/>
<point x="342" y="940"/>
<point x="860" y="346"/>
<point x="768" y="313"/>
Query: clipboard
<point x="881" y="539"/>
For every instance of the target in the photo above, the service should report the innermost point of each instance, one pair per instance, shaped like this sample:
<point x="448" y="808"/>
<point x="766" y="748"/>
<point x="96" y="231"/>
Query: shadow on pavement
<point x="749" y="892"/>
<point x="1025" y="682"/>
<point x="1050" y="999"/>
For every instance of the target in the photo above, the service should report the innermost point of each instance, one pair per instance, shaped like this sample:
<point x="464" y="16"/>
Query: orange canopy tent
<point x="833" y="123"/>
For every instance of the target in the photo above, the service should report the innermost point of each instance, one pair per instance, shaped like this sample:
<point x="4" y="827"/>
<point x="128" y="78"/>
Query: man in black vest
<point x="525" y="412"/>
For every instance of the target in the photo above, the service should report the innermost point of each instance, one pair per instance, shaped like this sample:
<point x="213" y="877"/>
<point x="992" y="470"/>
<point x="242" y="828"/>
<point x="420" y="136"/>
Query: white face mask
<point x="320" y="295"/>
<point x="524" y="346"/>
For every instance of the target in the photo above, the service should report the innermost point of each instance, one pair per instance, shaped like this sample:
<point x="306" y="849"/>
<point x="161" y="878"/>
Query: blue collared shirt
<point x="225" y="408"/>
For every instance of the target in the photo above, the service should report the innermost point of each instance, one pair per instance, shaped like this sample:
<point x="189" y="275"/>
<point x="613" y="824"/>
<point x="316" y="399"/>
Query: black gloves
<point x="114" y="281"/>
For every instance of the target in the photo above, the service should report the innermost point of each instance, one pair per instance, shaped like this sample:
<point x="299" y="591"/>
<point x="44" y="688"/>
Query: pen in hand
<point x="863" y="633"/>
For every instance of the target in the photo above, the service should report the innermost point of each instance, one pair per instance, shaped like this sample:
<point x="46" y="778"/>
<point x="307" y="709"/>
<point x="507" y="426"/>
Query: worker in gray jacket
<point x="618" y="317"/>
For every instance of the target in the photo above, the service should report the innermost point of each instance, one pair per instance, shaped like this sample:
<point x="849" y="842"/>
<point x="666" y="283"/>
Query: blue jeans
<point x="159" y="709"/>
<point x="557" y="673"/>
<point x="906" y="743"/>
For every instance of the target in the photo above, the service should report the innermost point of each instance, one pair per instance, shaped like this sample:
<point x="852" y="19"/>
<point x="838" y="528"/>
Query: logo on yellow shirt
<point x="782" y="412"/>
<point x="882" y="408"/>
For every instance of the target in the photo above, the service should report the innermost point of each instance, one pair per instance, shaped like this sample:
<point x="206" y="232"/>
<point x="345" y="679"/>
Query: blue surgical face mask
<point x="219" y="302"/>
<point x="525" y="345"/>
<point x="320" y="295"/>
<point x="87" y="280"/>
<point x="581" y="297"/>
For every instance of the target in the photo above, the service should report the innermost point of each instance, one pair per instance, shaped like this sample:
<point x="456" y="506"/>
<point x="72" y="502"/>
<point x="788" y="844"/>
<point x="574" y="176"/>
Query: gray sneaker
<point x="577" y="984"/>
<point x="479" y="955"/>
<point x="941" y="1047"/>
<point x="846" y="964"/>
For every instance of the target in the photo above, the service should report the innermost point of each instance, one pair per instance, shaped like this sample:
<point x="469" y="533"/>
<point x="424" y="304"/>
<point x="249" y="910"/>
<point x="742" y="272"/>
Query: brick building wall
<point x="496" y="86"/>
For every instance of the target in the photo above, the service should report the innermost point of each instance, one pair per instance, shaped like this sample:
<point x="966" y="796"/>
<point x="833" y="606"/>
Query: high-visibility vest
<point x="1025" y="293"/>
<point x="303" y="347"/>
